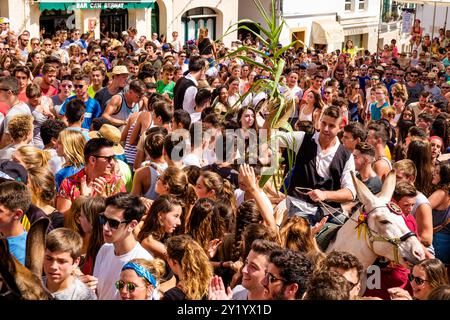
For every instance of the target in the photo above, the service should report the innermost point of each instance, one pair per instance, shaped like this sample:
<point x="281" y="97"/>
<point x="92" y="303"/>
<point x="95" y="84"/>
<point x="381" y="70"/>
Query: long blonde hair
<point x="42" y="186"/>
<point x="73" y="143"/>
<point x="296" y="234"/>
<point x="196" y="269"/>
<point x="33" y="157"/>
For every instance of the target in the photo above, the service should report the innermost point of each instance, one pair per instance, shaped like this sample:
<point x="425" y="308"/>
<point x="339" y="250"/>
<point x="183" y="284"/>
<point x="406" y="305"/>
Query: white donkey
<point x="378" y="229"/>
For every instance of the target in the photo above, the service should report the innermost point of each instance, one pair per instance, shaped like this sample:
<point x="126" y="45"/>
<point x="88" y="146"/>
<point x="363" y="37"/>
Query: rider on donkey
<point x="321" y="171"/>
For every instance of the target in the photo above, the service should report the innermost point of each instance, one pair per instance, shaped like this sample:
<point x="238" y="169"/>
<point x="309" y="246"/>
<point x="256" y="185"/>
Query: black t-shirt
<point x="174" y="294"/>
<point x="205" y="47"/>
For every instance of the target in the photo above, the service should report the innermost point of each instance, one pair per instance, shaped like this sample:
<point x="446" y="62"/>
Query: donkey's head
<point x="18" y="281"/>
<point x="386" y="230"/>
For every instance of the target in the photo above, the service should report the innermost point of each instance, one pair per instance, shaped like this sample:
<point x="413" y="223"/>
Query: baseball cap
<point x="11" y="170"/>
<point x="120" y="70"/>
<point x="4" y="20"/>
<point x="111" y="133"/>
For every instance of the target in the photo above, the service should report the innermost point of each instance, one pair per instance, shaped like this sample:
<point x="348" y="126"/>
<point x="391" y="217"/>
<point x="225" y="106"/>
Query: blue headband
<point x="141" y="271"/>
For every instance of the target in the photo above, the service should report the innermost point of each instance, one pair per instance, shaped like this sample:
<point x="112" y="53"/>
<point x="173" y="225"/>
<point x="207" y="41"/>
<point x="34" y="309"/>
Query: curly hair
<point x="327" y="285"/>
<point x="196" y="270"/>
<point x="20" y="126"/>
<point x="342" y="260"/>
<point x="205" y="223"/>
<point x="294" y="267"/>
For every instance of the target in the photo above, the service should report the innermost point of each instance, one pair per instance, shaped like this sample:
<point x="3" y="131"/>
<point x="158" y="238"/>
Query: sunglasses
<point x="419" y="281"/>
<point x="327" y="92"/>
<point x="107" y="158"/>
<point x="113" y="224"/>
<point x="129" y="285"/>
<point x="66" y="86"/>
<point x="272" y="278"/>
<point x="78" y="86"/>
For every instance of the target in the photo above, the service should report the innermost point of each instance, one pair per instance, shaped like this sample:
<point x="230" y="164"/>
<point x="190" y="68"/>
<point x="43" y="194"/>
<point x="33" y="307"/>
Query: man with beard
<point x="46" y="82"/>
<point x="287" y="275"/>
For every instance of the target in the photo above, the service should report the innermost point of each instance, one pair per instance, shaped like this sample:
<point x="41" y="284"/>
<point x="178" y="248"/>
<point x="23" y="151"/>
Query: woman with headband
<point x="139" y="279"/>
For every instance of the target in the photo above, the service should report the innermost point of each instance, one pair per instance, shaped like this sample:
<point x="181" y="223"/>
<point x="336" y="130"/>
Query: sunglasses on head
<point x="419" y="281"/>
<point x="114" y="224"/>
<point x="129" y="285"/>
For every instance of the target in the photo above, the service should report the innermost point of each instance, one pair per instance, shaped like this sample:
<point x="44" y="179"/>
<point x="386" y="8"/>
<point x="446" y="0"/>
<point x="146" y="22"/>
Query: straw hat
<point x="120" y="70"/>
<point x="111" y="133"/>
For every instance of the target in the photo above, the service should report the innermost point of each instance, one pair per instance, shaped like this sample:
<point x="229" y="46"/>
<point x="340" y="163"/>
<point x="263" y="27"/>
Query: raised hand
<point x="216" y="290"/>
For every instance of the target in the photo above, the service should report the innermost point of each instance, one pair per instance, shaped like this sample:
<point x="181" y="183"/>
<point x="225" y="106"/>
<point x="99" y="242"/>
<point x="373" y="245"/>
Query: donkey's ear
<point x="388" y="187"/>
<point x="365" y="196"/>
<point x="34" y="259"/>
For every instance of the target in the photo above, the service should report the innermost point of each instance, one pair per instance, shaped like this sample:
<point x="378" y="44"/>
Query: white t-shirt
<point x="108" y="267"/>
<point x="56" y="162"/>
<point x="239" y="195"/>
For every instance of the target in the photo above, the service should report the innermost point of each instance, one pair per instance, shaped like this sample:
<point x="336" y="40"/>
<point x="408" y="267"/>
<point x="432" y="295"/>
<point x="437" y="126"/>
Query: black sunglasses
<point x="419" y="281"/>
<point x="114" y="224"/>
<point x="129" y="285"/>
<point x="78" y="86"/>
<point x="107" y="158"/>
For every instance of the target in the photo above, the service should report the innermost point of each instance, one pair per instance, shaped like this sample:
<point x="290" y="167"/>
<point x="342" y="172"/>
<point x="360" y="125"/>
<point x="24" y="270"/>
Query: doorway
<point x="298" y="35"/>
<point x="115" y="20"/>
<point x="54" y="20"/>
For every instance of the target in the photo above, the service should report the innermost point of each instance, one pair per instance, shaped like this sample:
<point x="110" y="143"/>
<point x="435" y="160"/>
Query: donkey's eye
<point x="385" y="222"/>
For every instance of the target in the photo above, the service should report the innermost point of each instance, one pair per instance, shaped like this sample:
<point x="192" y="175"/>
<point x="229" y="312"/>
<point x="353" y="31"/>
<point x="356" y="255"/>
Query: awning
<point x="89" y="5"/>
<point x="327" y="31"/>
<point x="429" y="2"/>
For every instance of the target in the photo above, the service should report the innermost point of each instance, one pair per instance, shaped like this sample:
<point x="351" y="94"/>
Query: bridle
<point x="363" y="226"/>
<point x="374" y="236"/>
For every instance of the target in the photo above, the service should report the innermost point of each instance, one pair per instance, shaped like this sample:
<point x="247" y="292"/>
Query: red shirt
<point x="394" y="275"/>
<point x="4" y="108"/>
<point x="50" y="92"/>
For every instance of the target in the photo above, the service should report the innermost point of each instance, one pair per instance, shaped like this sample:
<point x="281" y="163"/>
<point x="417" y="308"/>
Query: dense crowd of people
<point x="123" y="143"/>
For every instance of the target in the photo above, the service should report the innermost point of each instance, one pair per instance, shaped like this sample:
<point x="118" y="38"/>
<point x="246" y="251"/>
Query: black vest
<point x="179" y="90"/>
<point x="305" y="173"/>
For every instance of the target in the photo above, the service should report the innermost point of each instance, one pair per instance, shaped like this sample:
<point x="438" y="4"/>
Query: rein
<point x="362" y="225"/>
